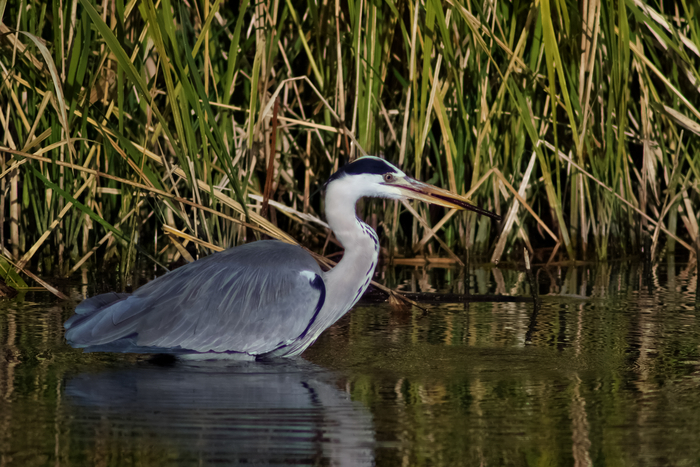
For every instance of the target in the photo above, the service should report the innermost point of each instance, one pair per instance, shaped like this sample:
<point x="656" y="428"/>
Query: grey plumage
<point x="205" y="307"/>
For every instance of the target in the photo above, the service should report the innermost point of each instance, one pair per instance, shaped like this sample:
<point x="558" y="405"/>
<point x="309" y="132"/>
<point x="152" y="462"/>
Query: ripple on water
<point x="607" y="372"/>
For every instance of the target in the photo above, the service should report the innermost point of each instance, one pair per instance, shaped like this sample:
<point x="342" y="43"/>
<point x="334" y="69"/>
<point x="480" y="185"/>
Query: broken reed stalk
<point x="269" y="179"/>
<point x="697" y="274"/>
<point x="534" y="289"/>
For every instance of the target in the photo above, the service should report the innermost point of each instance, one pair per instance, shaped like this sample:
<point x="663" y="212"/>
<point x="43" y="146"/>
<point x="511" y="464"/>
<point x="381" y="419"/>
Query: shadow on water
<point x="274" y="413"/>
<point x="606" y="373"/>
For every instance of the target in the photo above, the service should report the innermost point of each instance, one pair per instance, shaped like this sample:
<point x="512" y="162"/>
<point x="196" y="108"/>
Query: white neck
<point x="349" y="279"/>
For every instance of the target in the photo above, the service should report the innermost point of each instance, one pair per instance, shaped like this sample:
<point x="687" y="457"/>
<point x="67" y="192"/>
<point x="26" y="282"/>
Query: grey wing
<point x="92" y="305"/>
<point x="253" y="298"/>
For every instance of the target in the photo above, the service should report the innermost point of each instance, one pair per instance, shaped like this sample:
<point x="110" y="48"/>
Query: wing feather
<point x="93" y="304"/>
<point x="253" y="298"/>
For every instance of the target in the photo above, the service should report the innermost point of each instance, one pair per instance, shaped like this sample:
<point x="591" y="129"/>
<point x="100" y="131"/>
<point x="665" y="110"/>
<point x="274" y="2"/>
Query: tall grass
<point x="132" y="127"/>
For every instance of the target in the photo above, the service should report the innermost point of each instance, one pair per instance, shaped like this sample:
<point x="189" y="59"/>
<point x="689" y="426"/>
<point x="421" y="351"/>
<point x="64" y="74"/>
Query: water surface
<point x="606" y="373"/>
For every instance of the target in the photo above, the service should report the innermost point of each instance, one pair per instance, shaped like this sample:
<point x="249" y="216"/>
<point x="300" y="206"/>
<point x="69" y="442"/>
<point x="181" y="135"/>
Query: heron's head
<point x="375" y="177"/>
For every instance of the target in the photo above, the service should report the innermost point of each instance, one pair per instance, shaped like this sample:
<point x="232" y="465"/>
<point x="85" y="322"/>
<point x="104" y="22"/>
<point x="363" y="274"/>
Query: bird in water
<point x="259" y="300"/>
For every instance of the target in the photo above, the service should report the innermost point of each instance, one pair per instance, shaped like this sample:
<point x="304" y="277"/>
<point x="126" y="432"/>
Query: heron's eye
<point x="388" y="178"/>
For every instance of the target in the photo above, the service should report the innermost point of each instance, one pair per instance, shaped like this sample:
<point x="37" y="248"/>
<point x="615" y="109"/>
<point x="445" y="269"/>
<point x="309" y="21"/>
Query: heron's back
<point x="253" y="298"/>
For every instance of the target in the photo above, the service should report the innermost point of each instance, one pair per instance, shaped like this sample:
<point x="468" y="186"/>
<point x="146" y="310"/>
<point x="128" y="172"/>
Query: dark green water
<point x="607" y="373"/>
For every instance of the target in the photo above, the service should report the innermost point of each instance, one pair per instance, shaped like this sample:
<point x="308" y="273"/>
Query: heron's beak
<point x="414" y="189"/>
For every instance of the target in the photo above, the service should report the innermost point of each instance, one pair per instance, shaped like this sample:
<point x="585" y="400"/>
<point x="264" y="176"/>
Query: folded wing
<point x="253" y="298"/>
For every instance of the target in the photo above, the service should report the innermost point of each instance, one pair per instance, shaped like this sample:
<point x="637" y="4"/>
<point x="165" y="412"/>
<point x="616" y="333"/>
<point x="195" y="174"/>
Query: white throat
<point x="349" y="279"/>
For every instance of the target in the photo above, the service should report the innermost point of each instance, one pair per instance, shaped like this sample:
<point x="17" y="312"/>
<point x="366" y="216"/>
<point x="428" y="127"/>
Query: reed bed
<point x="156" y="129"/>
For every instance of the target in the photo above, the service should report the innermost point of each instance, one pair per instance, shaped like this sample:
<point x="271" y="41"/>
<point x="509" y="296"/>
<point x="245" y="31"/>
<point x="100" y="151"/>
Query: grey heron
<point x="258" y="300"/>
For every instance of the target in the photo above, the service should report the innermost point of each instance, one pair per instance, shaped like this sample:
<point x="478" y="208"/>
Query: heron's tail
<point x="93" y="305"/>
